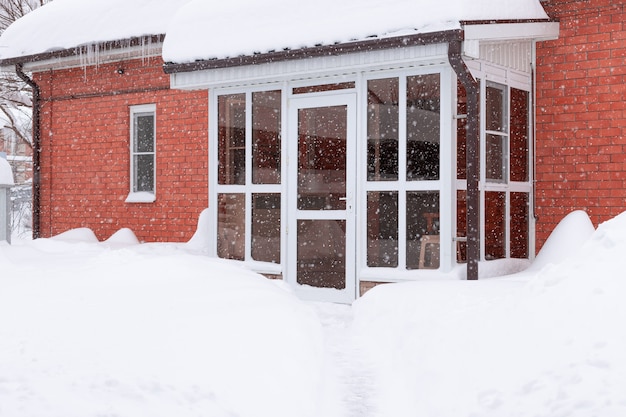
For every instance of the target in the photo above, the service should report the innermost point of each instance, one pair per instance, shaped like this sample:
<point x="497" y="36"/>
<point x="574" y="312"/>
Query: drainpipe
<point x="472" y="89"/>
<point x="36" y="148"/>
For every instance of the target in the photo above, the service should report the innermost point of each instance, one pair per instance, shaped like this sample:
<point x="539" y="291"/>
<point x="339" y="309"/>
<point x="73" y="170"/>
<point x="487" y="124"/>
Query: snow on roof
<point x="65" y="24"/>
<point x="204" y="30"/>
<point x="201" y="29"/>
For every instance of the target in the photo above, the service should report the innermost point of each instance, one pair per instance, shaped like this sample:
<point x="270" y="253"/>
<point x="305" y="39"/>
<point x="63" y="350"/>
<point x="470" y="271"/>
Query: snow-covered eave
<point x="371" y="44"/>
<point x="88" y="54"/>
<point x="472" y="32"/>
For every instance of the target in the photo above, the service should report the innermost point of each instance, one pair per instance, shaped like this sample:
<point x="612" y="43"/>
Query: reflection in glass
<point x="232" y="139"/>
<point x="266" y="227"/>
<point x="461" y="133"/>
<point x="519" y="225"/>
<point x="144" y="173"/>
<point x="266" y="137"/>
<point x="519" y="135"/>
<point x="322" y="135"/>
<point x="495" y="225"/>
<point x="231" y="227"/>
<point x="496" y="157"/>
<point x="322" y="253"/>
<point x="382" y="129"/>
<point x="495" y="112"/>
<point x="422" y="127"/>
<point x="144" y="132"/>
<point x="422" y="219"/>
<point x="382" y="229"/>
<point x="143" y="152"/>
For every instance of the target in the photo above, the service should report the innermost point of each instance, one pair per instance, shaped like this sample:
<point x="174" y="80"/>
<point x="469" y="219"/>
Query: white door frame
<point x="347" y="294"/>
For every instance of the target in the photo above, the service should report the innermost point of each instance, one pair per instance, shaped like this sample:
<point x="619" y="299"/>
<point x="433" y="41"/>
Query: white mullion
<point x="248" y="186"/>
<point x="214" y="188"/>
<point x="507" y="196"/>
<point x="360" y="197"/>
<point x="483" y="172"/>
<point x="284" y="178"/>
<point x="447" y="170"/>
<point x="402" y="221"/>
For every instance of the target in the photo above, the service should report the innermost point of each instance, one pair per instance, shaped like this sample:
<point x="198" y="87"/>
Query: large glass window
<point x="402" y="207"/>
<point x="249" y="176"/>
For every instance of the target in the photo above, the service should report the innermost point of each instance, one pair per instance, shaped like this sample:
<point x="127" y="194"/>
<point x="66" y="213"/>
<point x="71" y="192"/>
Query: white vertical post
<point x="6" y="182"/>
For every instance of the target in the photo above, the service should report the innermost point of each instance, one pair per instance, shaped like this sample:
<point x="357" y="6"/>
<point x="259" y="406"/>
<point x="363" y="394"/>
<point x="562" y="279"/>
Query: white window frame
<point x="249" y="188"/>
<point x="444" y="185"/>
<point x="506" y="186"/>
<point x="141" y="196"/>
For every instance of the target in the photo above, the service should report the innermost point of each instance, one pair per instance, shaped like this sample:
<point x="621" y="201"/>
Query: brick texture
<point x="85" y="163"/>
<point x="581" y="114"/>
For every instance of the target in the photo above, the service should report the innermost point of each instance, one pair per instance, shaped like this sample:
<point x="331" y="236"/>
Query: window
<point x="249" y="176"/>
<point x="403" y="165"/>
<point x="496" y="135"/>
<point x="142" y="154"/>
<point x="506" y="195"/>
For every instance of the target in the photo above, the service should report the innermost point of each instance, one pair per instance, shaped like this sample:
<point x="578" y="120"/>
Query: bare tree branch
<point x="15" y="95"/>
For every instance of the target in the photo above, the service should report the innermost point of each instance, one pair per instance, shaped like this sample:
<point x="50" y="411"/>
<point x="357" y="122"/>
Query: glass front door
<point x="321" y="197"/>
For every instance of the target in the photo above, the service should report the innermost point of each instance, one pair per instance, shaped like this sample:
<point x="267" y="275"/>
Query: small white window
<point x="142" y="154"/>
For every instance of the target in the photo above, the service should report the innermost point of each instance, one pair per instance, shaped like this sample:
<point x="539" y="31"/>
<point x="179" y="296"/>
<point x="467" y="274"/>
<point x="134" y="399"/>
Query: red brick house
<point x="380" y="155"/>
<point x="580" y="142"/>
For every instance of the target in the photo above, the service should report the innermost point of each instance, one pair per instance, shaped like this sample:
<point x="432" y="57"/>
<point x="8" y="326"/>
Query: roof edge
<point x="84" y="49"/>
<point x="317" y="51"/>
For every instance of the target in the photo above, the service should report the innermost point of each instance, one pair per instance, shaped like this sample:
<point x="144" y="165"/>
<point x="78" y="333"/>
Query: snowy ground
<point x="117" y="328"/>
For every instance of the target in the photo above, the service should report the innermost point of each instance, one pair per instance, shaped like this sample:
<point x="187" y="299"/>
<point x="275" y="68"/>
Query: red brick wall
<point x="581" y="114"/>
<point x="85" y="163"/>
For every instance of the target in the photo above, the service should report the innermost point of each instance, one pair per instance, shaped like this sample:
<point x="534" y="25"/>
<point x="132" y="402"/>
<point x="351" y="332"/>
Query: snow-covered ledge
<point x="141" y="197"/>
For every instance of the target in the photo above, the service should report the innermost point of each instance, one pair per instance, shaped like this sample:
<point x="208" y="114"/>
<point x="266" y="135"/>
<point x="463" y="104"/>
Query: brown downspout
<point x="36" y="149"/>
<point x="472" y="89"/>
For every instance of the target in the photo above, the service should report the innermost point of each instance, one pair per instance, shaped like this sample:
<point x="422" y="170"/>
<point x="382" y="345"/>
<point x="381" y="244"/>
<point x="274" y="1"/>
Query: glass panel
<point x="519" y="225"/>
<point x="422" y="127"/>
<point x="422" y="229"/>
<point x="144" y="132"/>
<point x="266" y="227"/>
<point x="382" y="229"/>
<point x="461" y="225"/>
<point x="266" y="108"/>
<point x="461" y="133"/>
<point x="232" y="139"/>
<point x="143" y="179"/>
<point x="519" y="135"/>
<point x="323" y="87"/>
<point x="495" y="109"/>
<point x="495" y="225"/>
<point x="322" y="253"/>
<point x="382" y="129"/>
<point x="496" y="153"/>
<point x="231" y="227"/>
<point x="322" y="135"/>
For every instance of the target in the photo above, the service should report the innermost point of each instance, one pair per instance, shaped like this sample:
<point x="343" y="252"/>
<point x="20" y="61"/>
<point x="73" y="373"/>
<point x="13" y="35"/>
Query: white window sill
<point x="141" y="197"/>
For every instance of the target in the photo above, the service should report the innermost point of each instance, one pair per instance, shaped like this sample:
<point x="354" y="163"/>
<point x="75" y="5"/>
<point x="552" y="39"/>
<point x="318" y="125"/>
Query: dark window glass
<point x="232" y="139"/>
<point x="382" y="229"/>
<point x="422" y="229"/>
<point x="231" y="226"/>
<point x="423" y="127"/>
<point x="382" y="129"/>
<point x="519" y="135"/>
<point x="266" y="110"/>
<point x="266" y="227"/>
